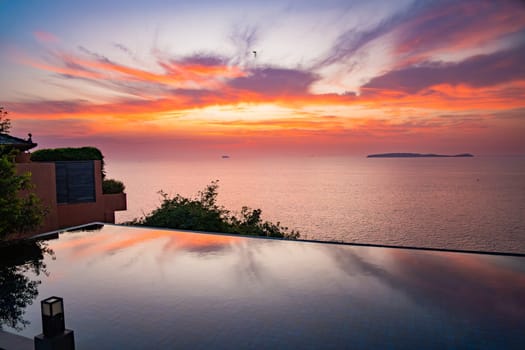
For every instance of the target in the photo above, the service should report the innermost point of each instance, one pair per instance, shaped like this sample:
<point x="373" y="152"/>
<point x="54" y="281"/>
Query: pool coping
<point x="94" y="225"/>
<point x="10" y="341"/>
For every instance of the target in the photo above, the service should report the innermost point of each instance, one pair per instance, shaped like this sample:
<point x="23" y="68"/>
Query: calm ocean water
<point x="457" y="203"/>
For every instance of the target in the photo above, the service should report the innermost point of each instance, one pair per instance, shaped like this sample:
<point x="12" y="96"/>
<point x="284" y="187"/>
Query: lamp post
<point x="53" y="322"/>
<point x="55" y="336"/>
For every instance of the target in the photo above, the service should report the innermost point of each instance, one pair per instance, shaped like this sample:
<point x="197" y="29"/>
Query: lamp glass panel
<point x="56" y="307"/>
<point x="46" y="309"/>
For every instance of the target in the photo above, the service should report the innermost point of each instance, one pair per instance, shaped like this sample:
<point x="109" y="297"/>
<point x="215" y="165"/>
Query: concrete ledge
<point x="10" y="341"/>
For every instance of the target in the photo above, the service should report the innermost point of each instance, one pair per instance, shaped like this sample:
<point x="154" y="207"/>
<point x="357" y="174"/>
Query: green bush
<point x="111" y="186"/>
<point x="60" y="154"/>
<point x="203" y="214"/>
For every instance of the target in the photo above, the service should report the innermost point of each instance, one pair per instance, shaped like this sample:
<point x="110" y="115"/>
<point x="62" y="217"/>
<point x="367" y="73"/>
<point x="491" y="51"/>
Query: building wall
<point x="43" y="177"/>
<point x="66" y="215"/>
<point x="113" y="203"/>
<point x="82" y="213"/>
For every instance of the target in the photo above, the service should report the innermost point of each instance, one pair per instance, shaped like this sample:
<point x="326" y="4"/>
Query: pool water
<point x="138" y="288"/>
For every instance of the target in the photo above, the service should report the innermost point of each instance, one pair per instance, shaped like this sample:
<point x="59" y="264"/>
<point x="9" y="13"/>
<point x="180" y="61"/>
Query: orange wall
<point x="82" y="213"/>
<point x="112" y="203"/>
<point x="67" y="215"/>
<point x="43" y="177"/>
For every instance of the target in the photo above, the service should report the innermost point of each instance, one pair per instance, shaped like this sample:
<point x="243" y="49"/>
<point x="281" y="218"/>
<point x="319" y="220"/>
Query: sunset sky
<point x="328" y="77"/>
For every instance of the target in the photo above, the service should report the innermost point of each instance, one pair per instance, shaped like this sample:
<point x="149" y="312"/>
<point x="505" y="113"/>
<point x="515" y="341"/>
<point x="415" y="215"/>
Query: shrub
<point x="111" y="186"/>
<point x="203" y="214"/>
<point x="58" y="154"/>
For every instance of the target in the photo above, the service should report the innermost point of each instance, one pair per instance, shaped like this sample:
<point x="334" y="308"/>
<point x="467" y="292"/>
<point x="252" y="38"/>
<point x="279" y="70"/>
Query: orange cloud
<point x="100" y="68"/>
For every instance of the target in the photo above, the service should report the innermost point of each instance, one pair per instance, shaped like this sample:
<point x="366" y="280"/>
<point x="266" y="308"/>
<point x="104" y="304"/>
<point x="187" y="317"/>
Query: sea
<point x="448" y="203"/>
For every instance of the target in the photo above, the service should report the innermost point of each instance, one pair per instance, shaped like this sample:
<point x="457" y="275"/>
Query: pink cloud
<point x="45" y="37"/>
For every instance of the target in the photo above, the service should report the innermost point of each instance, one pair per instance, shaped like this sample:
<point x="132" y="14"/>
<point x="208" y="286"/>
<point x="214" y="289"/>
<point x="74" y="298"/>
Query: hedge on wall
<point x="61" y="154"/>
<point x="111" y="186"/>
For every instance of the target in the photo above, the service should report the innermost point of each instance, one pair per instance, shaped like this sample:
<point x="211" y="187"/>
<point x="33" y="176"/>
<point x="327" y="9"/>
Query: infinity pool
<point x="139" y="288"/>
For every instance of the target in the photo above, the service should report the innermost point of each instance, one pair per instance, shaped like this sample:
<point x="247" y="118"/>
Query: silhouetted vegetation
<point x="17" y="290"/>
<point x="20" y="209"/>
<point x="57" y="154"/>
<point x="202" y="213"/>
<point x="5" y="123"/>
<point x="111" y="186"/>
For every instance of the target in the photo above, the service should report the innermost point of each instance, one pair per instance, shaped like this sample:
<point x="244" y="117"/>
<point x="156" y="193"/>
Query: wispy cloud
<point x="455" y="26"/>
<point x="124" y="49"/>
<point x="244" y="39"/>
<point x="478" y="71"/>
<point x="429" y="31"/>
<point x="349" y="42"/>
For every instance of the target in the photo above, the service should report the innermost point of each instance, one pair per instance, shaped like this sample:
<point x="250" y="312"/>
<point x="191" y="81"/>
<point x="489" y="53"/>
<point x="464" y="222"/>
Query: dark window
<point x="75" y="181"/>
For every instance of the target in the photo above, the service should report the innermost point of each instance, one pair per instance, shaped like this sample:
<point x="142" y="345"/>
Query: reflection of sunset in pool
<point x="130" y="287"/>
<point x="85" y="246"/>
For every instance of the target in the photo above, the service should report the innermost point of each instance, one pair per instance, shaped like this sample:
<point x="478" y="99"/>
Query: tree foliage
<point x="202" y="213"/>
<point x="5" y="123"/>
<point x="20" y="209"/>
<point x="17" y="289"/>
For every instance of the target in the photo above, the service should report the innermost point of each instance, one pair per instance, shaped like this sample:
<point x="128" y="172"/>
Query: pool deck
<point x="9" y="341"/>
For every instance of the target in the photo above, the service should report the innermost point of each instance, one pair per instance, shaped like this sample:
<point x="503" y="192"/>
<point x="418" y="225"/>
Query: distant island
<point x="416" y="155"/>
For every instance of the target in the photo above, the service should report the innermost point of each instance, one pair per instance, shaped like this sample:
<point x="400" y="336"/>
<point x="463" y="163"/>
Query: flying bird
<point x="254" y="54"/>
